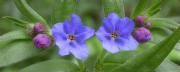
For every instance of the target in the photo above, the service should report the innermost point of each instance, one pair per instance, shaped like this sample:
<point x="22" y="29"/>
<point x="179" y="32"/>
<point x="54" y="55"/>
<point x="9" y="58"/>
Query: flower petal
<point x="63" y="49"/>
<point x="80" y="51"/>
<point x="102" y="34"/>
<point x="85" y="33"/>
<point x="58" y="33"/>
<point x="76" y="20"/>
<point x="129" y="44"/>
<point x="68" y="29"/>
<point x="126" y="26"/>
<point x="110" y="21"/>
<point x="111" y="46"/>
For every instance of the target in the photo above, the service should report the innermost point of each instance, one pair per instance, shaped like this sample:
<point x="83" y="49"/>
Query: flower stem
<point x="81" y="65"/>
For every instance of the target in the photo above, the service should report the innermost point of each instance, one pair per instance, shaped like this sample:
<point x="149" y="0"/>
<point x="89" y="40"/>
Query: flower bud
<point x="42" y="41"/>
<point x="38" y="28"/>
<point x="142" y="35"/>
<point x="140" y="20"/>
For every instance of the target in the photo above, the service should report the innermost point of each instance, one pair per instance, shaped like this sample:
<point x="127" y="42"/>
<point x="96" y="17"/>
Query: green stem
<point x="81" y="65"/>
<point x="99" y="64"/>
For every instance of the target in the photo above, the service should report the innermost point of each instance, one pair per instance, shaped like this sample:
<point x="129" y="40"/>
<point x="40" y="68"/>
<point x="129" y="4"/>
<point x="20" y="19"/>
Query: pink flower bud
<point x="142" y="35"/>
<point x="42" y="41"/>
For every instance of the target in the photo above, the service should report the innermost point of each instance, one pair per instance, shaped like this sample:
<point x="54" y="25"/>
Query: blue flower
<point x="115" y="34"/>
<point x="71" y="37"/>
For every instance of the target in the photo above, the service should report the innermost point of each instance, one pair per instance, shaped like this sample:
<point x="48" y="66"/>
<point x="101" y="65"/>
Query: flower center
<point x="114" y="35"/>
<point x="71" y="37"/>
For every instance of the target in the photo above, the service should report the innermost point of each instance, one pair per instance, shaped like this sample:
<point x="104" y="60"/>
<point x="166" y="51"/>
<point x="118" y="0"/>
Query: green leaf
<point x="163" y="22"/>
<point x="140" y="8"/>
<point x="62" y="9"/>
<point x="95" y="49"/>
<point x="168" y="66"/>
<point x="27" y="11"/>
<point x="159" y="34"/>
<point x="113" y="60"/>
<point x="18" y="22"/>
<point x="149" y="59"/>
<point x="17" y="51"/>
<point x="154" y="8"/>
<point x="175" y="55"/>
<point x="53" y="65"/>
<point x="114" y="6"/>
<point x="11" y="36"/>
<point x="119" y="57"/>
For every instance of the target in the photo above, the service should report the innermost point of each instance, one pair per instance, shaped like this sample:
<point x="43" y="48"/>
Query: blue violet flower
<point x="70" y="37"/>
<point x="115" y="34"/>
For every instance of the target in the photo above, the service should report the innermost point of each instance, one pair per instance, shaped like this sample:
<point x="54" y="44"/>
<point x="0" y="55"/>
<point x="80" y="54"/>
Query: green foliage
<point x="114" y="6"/>
<point x="155" y="7"/>
<point x="17" y="51"/>
<point x="62" y="9"/>
<point x="53" y="65"/>
<point x="18" y="22"/>
<point x="27" y="11"/>
<point x="11" y="36"/>
<point x="168" y="66"/>
<point x="139" y="9"/>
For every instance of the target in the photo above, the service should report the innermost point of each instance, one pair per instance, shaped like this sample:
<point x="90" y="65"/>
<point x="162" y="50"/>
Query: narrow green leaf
<point x="149" y="59"/>
<point x="18" y="22"/>
<point x="175" y="55"/>
<point x="140" y="8"/>
<point x="95" y="49"/>
<point x="17" y="51"/>
<point x="113" y="60"/>
<point x="62" y="9"/>
<point x="114" y="6"/>
<point x="11" y="36"/>
<point x="27" y="11"/>
<point x="15" y="20"/>
<point x="119" y="57"/>
<point x="168" y="66"/>
<point x="54" y="65"/>
<point x="154" y="8"/>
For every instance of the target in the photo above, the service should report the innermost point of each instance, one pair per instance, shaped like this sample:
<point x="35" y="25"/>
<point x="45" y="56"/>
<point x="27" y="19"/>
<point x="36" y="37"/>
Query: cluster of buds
<point x="142" y="33"/>
<point x="40" y="38"/>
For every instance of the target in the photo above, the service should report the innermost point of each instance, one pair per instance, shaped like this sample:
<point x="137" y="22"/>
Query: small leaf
<point x="11" y="36"/>
<point x="140" y="8"/>
<point x="17" y="51"/>
<point x="148" y="60"/>
<point x="53" y="65"/>
<point x="27" y="11"/>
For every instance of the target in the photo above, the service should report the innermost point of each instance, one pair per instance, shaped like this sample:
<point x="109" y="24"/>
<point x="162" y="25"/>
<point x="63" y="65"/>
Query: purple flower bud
<point x="142" y="35"/>
<point x="42" y="41"/>
<point x="38" y="28"/>
<point x="140" y="20"/>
